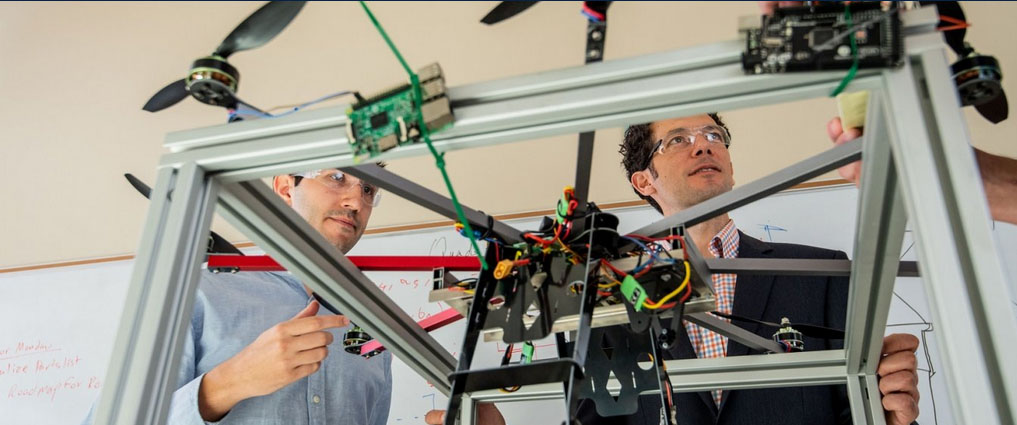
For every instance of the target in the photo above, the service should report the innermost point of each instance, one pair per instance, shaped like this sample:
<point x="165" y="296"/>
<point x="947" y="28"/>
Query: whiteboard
<point x="57" y="326"/>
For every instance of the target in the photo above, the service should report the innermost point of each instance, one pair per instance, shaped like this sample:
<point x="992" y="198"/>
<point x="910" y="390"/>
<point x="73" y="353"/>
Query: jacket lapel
<point x="685" y="351"/>
<point x="752" y="293"/>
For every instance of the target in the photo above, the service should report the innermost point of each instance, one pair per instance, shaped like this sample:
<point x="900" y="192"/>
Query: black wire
<point x="928" y="357"/>
<point x="325" y="304"/>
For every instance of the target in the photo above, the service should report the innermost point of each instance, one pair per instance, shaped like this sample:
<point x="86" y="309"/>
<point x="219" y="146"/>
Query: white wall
<point x="74" y="75"/>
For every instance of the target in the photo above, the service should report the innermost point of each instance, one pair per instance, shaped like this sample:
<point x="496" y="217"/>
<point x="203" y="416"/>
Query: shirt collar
<point x="725" y="243"/>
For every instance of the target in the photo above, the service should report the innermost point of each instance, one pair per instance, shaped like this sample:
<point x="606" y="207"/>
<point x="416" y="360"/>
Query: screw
<point x="596" y="35"/>
<point x="593" y="53"/>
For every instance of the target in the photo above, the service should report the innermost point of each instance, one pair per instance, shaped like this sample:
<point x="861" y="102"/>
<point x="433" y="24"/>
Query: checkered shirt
<point x="709" y="344"/>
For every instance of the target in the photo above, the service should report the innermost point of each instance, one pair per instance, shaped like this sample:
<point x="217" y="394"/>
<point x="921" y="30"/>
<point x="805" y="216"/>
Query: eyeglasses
<point x="683" y="139"/>
<point x="338" y="181"/>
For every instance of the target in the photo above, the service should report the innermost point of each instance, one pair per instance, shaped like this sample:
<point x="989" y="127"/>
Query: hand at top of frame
<point x="487" y="414"/>
<point x="999" y="174"/>
<point x="898" y="378"/>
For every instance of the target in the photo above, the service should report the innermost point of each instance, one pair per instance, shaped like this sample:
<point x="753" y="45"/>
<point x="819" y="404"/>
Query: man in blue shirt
<point x="257" y="350"/>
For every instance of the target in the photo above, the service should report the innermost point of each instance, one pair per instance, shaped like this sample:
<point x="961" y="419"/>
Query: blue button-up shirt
<point x="230" y="312"/>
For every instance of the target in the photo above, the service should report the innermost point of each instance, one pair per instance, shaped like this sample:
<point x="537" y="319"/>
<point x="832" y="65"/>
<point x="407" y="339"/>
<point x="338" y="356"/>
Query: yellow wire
<point x="565" y="248"/>
<point x="603" y="286"/>
<point x="685" y="283"/>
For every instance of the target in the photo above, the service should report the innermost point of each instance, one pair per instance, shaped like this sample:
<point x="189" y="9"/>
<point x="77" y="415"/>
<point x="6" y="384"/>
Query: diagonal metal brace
<point x="430" y="199"/>
<point x="736" y="333"/>
<point x="802" y="171"/>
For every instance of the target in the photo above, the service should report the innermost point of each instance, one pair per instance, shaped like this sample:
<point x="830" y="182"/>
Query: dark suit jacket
<point x="814" y="300"/>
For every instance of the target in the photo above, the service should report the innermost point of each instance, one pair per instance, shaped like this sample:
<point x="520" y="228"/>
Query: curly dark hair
<point x="635" y="150"/>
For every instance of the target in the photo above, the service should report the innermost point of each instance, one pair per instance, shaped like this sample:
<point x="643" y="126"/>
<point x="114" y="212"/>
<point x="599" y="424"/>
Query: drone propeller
<point x="977" y="76"/>
<point x="216" y="244"/>
<point x="814" y="331"/>
<point x="212" y="79"/>
<point x="505" y="10"/>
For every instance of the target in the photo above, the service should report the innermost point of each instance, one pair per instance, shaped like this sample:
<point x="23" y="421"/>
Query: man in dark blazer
<point x="674" y="164"/>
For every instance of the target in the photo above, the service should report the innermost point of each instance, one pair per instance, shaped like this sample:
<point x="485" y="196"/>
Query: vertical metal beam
<point x="946" y="205"/>
<point x="596" y="34"/>
<point x="880" y="230"/>
<point x="584" y="162"/>
<point x="143" y="368"/>
<point x="257" y="211"/>
<point x="468" y="411"/>
<point x="856" y="401"/>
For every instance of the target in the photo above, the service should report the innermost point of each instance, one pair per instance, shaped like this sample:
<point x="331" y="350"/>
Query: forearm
<point x="217" y="394"/>
<point x="999" y="177"/>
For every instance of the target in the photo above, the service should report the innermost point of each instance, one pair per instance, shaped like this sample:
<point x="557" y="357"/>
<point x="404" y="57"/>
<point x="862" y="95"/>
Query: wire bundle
<point x="613" y="273"/>
<point x="233" y="113"/>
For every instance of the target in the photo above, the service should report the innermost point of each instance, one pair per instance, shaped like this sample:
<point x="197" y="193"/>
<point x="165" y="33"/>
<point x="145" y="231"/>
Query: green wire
<point x="426" y="135"/>
<point x="854" y="53"/>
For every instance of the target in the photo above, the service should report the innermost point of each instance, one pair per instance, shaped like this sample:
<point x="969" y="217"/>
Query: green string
<point x="439" y="159"/>
<point x="854" y="53"/>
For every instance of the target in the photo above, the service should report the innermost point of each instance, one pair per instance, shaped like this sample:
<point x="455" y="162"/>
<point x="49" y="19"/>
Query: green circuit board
<point x="383" y="123"/>
<point x="391" y="119"/>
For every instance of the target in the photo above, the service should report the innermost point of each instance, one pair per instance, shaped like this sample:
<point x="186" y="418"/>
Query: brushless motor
<point x="789" y="337"/>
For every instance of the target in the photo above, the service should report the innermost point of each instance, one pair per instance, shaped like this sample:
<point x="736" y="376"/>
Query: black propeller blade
<point x="261" y="27"/>
<point x="168" y="96"/>
<point x="139" y="185"/>
<point x="814" y="331"/>
<point x="216" y="244"/>
<point x="995" y="110"/>
<point x="505" y="10"/>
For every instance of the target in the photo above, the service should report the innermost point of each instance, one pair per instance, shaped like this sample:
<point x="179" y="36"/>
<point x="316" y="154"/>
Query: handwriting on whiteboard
<point x="41" y="370"/>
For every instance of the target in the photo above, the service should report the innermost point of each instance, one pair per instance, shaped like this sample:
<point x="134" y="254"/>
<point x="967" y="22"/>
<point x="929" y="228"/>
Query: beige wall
<point x="73" y="78"/>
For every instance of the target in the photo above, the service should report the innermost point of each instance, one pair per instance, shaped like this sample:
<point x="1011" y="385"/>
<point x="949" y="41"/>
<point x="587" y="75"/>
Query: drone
<point x="576" y="273"/>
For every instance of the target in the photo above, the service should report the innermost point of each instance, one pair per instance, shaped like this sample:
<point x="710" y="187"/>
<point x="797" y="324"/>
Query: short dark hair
<point x="636" y="148"/>
<point x="297" y="178"/>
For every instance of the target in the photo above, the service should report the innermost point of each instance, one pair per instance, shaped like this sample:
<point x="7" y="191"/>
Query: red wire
<point x="613" y="268"/>
<point x="538" y="239"/>
<point x="959" y="24"/>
